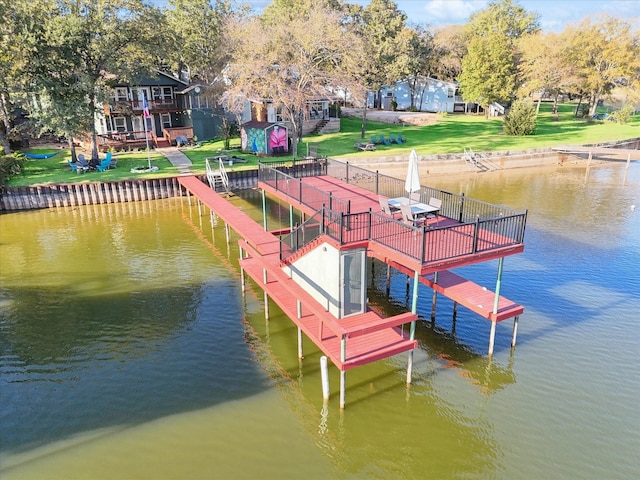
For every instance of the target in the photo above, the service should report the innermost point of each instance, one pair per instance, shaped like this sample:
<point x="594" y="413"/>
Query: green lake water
<point x="128" y="351"/>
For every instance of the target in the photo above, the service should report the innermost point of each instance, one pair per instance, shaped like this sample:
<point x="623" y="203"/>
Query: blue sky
<point x="554" y="14"/>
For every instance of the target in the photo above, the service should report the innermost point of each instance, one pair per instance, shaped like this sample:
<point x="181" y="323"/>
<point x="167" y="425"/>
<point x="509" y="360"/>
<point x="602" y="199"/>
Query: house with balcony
<point x="175" y="110"/>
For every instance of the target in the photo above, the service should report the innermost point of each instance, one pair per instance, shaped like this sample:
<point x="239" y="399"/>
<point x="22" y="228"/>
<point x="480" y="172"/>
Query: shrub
<point x="10" y="165"/>
<point x="622" y="116"/>
<point x="521" y="119"/>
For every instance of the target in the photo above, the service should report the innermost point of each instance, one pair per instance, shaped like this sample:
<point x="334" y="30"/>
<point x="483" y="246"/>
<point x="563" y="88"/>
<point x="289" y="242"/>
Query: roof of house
<point x="261" y="125"/>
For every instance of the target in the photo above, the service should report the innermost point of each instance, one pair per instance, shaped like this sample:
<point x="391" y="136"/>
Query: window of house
<point x="165" y="120"/>
<point x="120" y="94"/>
<point x="162" y="94"/>
<point x="119" y="124"/>
<point x="451" y="92"/>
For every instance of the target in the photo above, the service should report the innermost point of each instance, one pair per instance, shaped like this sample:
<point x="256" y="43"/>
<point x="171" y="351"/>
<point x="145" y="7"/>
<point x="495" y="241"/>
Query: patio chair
<point x="398" y="139"/>
<point x="414" y="197"/>
<point x="437" y="203"/>
<point x="408" y="218"/>
<point x="401" y="138"/>
<point x="375" y="140"/>
<point x="104" y="164"/>
<point x="386" y="141"/>
<point x="386" y="208"/>
<point x="74" y="167"/>
<point x="393" y="138"/>
<point x="82" y="165"/>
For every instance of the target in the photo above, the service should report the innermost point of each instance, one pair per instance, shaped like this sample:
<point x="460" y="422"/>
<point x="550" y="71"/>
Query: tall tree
<point x="490" y="67"/>
<point x="450" y="47"/>
<point x="605" y="54"/>
<point x="544" y="69"/>
<point x="78" y="50"/>
<point x="291" y="66"/>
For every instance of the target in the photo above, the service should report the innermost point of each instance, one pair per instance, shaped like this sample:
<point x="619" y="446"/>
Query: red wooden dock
<point x="349" y="342"/>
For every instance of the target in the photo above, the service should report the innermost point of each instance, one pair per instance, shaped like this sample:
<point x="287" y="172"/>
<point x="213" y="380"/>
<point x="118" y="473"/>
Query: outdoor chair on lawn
<point x="401" y="138"/>
<point x="104" y="164"/>
<point x="74" y="167"/>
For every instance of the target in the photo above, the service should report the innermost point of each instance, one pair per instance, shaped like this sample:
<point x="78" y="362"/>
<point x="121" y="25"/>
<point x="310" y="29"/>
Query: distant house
<point x="430" y="95"/>
<point x="319" y="116"/>
<point x="175" y="109"/>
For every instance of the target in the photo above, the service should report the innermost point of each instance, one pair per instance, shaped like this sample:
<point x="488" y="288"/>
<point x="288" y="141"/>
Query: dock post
<point x="226" y="232"/>
<point x="434" y="299"/>
<point x="586" y="175"/>
<point x="264" y="210"/>
<point x="515" y="331"/>
<point x="324" y="375"/>
<point x="242" y="281"/>
<point x="409" y="367"/>
<point x="266" y="297"/>
<point x="189" y="196"/>
<point x="290" y="218"/>
<point x="199" y="207"/>
<point x="414" y="303"/>
<point x="300" y="354"/>
<point x="343" y="381"/>
<point x="388" y="280"/>
<point x="496" y="298"/>
<point x="626" y="170"/>
<point x="492" y="336"/>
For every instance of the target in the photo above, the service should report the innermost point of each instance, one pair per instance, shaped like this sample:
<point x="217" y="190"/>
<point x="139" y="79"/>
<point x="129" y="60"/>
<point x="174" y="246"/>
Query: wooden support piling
<point x="515" y="330"/>
<point x="343" y="381"/>
<point x="324" y="374"/>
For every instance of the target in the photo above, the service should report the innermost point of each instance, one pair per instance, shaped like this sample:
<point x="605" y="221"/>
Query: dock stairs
<point x="217" y="178"/>
<point x="479" y="161"/>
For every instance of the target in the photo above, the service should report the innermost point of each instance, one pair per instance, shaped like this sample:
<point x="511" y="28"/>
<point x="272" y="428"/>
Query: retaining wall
<point x="69" y="195"/>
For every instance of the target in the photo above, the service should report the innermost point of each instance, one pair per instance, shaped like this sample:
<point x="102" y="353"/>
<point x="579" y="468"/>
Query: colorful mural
<point x="264" y="138"/>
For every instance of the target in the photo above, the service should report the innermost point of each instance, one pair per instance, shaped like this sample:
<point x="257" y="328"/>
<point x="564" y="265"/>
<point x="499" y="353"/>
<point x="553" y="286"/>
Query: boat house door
<point x="353" y="282"/>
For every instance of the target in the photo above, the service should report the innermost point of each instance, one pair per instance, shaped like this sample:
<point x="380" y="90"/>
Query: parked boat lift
<point x="315" y="271"/>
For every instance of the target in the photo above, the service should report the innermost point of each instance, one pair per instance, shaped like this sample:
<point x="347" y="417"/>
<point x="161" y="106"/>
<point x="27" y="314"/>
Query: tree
<point x="74" y="54"/>
<point x="291" y="66"/>
<point x="450" y="47"/>
<point x="520" y="119"/>
<point x="489" y="69"/>
<point x="544" y="69"/>
<point x="194" y="38"/>
<point x="605" y="54"/>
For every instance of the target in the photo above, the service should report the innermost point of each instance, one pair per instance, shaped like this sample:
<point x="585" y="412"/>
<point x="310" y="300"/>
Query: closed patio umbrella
<point x="412" y="183"/>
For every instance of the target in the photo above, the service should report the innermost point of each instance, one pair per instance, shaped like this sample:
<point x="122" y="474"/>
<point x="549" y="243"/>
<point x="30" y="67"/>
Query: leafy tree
<point x="193" y="41"/>
<point x="544" y="68"/>
<point x="74" y="54"/>
<point x="450" y="47"/>
<point x="489" y="69"/>
<point x="291" y="66"/>
<point x="605" y="54"/>
<point x="521" y="118"/>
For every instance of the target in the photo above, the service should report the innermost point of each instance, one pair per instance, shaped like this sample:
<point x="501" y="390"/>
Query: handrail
<point x="303" y="193"/>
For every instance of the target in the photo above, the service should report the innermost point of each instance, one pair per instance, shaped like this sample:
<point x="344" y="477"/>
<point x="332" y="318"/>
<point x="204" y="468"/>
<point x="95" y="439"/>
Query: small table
<point x="417" y="209"/>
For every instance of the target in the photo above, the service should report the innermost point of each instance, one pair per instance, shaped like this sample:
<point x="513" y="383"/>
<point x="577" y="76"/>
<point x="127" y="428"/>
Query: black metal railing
<point x="300" y="191"/>
<point x="419" y="243"/>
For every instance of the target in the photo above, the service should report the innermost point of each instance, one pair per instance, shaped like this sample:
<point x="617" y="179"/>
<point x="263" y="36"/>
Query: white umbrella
<point x="412" y="183"/>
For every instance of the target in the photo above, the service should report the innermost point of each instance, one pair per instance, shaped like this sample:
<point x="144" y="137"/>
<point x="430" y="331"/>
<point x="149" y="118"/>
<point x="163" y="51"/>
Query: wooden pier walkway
<point x="349" y="342"/>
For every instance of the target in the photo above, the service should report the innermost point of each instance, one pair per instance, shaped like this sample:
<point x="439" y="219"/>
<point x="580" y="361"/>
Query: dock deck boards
<point x="369" y="337"/>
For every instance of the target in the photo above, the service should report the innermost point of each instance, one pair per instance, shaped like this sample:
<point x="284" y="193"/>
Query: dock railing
<point x="455" y="206"/>
<point x="295" y="188"/>
<point x="479" y="226"/>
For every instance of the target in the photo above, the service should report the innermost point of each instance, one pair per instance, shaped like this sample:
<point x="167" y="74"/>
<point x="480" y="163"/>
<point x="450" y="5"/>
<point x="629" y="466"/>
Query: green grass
<point x="450" y="134"/>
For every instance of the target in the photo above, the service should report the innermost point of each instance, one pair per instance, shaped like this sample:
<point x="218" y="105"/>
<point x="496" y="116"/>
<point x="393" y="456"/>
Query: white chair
<point x="386" y="208"/>
<point x="408" y="217"/>
<point x="436" y="203"/>
<point x="414" y="197"/>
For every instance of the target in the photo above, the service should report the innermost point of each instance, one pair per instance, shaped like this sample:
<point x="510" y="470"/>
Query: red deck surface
<point x="465" y="292"/>
<point x="369" y="337"/>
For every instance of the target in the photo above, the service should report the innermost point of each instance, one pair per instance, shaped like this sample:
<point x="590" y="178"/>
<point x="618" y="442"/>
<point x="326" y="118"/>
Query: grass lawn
<point x="450" y="134"/>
